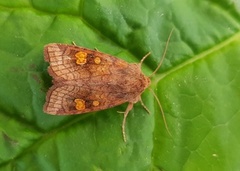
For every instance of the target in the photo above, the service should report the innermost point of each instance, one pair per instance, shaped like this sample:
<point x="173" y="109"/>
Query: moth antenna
<point x="144" y="58"/>
<point x="164" y="54"/>
<point x="161" y="109"/>
<point x="144" y="106"/>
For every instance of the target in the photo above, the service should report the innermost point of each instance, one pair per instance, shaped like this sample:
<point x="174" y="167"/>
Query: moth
<point x="87" y="80"/>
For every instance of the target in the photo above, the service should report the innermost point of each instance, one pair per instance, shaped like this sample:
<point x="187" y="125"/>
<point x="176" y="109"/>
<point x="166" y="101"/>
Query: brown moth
<point x="87" y="80"/>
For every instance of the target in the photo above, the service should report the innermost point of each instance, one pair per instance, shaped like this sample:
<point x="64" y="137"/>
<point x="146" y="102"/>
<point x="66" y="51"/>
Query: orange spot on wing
<point x="95" y="103"/>
<point x="81" y="58"/>
<point x="80" y="104"/>
<point x="97" y="60"/>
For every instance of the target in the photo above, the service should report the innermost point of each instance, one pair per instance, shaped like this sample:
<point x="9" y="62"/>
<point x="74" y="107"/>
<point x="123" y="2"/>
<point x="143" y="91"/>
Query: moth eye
<point x="97" y="60"/>
<point x="80" y="104"/>
<point x="95" y="103"/>
<point x="81" y="58"/>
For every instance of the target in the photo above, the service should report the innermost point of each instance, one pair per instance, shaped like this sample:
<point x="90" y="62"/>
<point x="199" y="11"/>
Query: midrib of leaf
<point x="200" y="56"/>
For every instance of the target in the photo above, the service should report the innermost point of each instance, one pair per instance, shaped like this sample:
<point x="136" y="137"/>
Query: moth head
<point x="147" y="81"/>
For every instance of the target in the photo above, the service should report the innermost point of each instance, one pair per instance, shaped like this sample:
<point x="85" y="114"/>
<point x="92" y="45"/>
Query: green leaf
<point x="198" y="86"/>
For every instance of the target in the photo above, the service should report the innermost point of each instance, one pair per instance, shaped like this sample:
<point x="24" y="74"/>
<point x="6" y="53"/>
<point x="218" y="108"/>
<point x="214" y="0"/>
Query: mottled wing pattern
<point x="61" y="99"/>
<point x="63" y="63"/>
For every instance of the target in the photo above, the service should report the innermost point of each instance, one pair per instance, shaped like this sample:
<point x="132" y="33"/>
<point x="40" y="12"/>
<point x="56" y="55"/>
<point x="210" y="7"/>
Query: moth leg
<point x="144" y="106"/>
<point x="74" y="43"/>
<point x="129" y="108"/>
